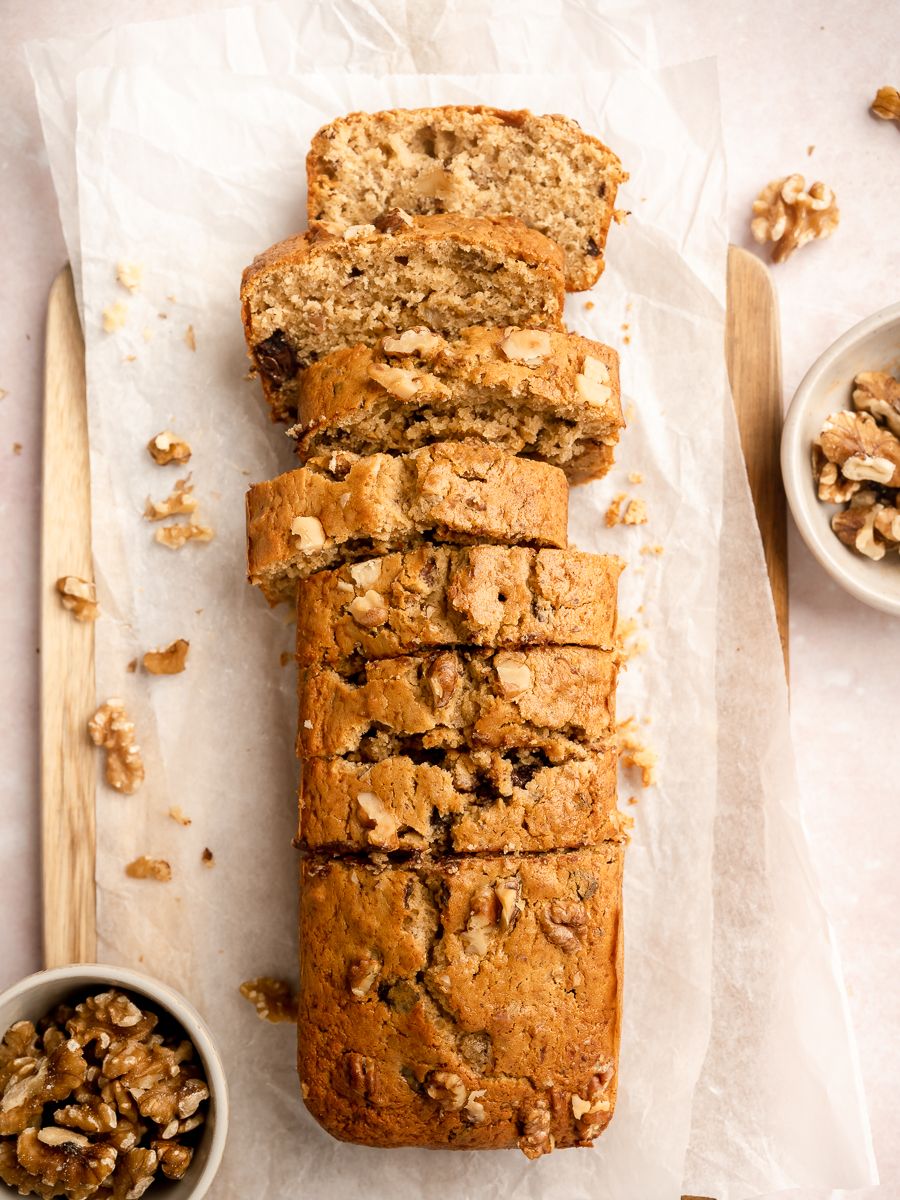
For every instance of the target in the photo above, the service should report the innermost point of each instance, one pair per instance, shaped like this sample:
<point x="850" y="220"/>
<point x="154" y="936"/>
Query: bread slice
<point x="468" y="1003"/>
<point x="556" y="699"/>
<point x="471" y="159"/>
<point x="313" y="294"/>
<point x="346" y="508"/>
<point x="478" y="801"/>
<point x="435" y="597"/>
<point x="550" y="396"/>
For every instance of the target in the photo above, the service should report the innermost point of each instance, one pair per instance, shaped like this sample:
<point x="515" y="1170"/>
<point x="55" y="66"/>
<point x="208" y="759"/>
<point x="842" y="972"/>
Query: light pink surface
<point x="787" y="83"/>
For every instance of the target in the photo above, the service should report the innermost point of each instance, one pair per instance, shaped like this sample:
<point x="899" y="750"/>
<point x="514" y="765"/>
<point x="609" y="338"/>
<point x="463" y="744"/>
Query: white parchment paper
<point x="195" y="194"/>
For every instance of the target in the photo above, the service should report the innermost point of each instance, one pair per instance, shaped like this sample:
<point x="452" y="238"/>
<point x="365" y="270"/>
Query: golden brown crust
<point x="543" y="169"/>
<point x="439" y="596"/>
<point x="559" y="700"/>
<point x="481" y="802"/>
<point x="454" y="492"/>
<point x="467" y="385"/>
<point x="470" y="1018"/>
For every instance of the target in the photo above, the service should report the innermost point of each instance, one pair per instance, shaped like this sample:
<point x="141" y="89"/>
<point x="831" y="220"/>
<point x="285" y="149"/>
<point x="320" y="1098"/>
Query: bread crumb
<point x="130" y="358"/>
<point x="809" y="150"/>
<point x="189" y="339"/>
<point x="632" y="799"/>
<point x="132" y="666"/>
<point x="149" y="868"/>
<point x="656" y="548"/>
<point x="172" y="298"/>
<point x="627" y="339"/>
<point x="177" y="815"/>
<point x="207" y="858"/>
<point x="614" y="510"/>
<point x="147" y="333"/>
<point x="17" y="447"/>
<point x="589" y="305"/>
<point x="636" y="513"/>
<point x="285" y="658"/>
<point x="634" y="752"/>
<point x="115" y="316"/>
<point x="635" y="477"/>
<point x="130" y="274"/>
<point x="629" y="412"/>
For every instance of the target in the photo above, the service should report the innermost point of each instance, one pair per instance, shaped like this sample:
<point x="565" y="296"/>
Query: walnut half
<point x="110" y="728"/>
<point x="79" y="597"/>
<point x="790" y="217"/>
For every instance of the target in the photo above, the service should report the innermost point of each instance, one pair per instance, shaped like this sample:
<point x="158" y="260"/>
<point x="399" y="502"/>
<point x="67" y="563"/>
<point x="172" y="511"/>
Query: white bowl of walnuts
<point x="110" y="1086"/>
<point x="840" y="458"/>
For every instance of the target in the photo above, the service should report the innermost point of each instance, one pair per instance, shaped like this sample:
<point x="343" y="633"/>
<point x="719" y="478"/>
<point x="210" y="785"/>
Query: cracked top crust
<point x="486" y="989"/>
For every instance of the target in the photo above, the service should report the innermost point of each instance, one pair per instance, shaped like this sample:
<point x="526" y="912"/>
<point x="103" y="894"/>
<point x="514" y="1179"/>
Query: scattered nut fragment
<point x="309" y="532"/>
<point x="110" y="727"/>
<point x="365" y="574"/>
<point x="168" y="447"/>
<point x="861" y="447"/>
<point x="536" y="1137"/>
<point x="563" y="923"/>
<point x="207" y="857"/>
<point x="887" y="104"/>
<point x="400" y="383"/>
<point x="790" y="217"/>
<point x="273" y="998"/>
<point x="169" y="661"/>
<point x="878" y="393"/>
<point x="130" y="274"/>
<point x="115" y="316"/>
<point x="529" y="346"/>
<point x="79" y="597"/>
<point x="376" y="818"/>
<point x="175" y="504"/>
<point x="447" y="1088"/>
<point x="418" y="340"/>
<point x="635" y="513"/>
<point x="362" y="974"/>
<point x="442" y="678"/>
<point x="177" y="815"/>
<point x="353" y="233"/>
<point x="369" y="610"/>
<point x="592" y="385"/>
<point x="149" y="868"/>
<point x="176" y="536"/>
<point x="189" y="340"/>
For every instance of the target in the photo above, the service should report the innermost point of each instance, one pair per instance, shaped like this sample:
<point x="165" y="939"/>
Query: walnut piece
<point x="65" y="1159"/>
<point x="593" y="385"/>
<point x="79" y="597"/>
<point x="393" y="220"/>
<point x="790" y="217"/>
<point x="484" y="911"/>
<point x="273" y="998"/>
<point x="592" y="1111"/>
<point x="442" y="678"/>
<point x="362" y="974"/>
<point x="130" y="274"/>
<point x="856" y="527"/>
<point x="513" y="673"/>
<point x="536" y="1137"/>
<point x="400" y="383"/>
<point x="362" y="1076"/>
<point x="110" y="728"/>
<point x="369" y="610"/>
<point x="887" y="523"/>
<point x="174" y="1159"/>
<point x="366" y="574"/>
<point x="353" y="233"/>
<point x="109" y="1017"/>
<point x="169" y="661"/>
<point x="418" y="340"/>
<point x="309" y="532"/>
<point x="177" y="503"/>
<point x="833" y="487"/>
<point x="473" y="1109"/>
<point x="529" y="346"/>
<point x="19" y="1041"/>
<point x="564" y="923"/>
<point x="447" y="1088"/>
<point x="861" y="448"/>
<point x="168" y="447"/>
<point x="878" y="393"/>
<point x="134" y="1173"/>
<point x="90" y="1113"/>
<point x="376" y="818"/>
<point x="508" y="892"/>
<point x="176" y="536"/>
<point x="887" y="104"/>
<point x="35" y="1082"/>
<point x="149" y="868"/>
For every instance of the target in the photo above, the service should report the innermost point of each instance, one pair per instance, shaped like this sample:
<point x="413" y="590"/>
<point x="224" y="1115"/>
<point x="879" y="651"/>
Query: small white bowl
<point x="872" y="345"/>
<point x="39" y="994"/>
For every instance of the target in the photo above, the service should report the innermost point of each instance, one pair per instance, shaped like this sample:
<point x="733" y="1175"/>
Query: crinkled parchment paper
<point x="194" y="171"/>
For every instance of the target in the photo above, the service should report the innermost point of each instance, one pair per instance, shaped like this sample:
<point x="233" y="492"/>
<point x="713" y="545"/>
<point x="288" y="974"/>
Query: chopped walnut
<point x="529" y="346"/>
<point x="273" y="998"/>
<point x="592" y="1111"/>
<point x="134" y="1173"/>
<point x="564" y="924"/>
<point x="168" y="447"/>
<point x="834" y="488"/>
<point x="173" y="1098"/>
<point x="65" y="1160"/>
<point x="20" y="1041"/>
<point x="513" y="673"/>
<point x="399" y="382"/>
<point x="636" y="513"/>
<point x="369" y="610"/>
<point x="149" y="868"/>
<point x="362" y="1076"/>
<point x="593" y="384"/>
<point x="366" y="574"/>
<point x="39" y="1081"/>
<point x="174" y="1159"/>
<point x="887" y="522"/>
<point x="309" y="532"/>
<point x="473" y="1109"/>
<point x="790" y="217"/>
<point x="393" y="220"/>
<point x="856" y="527"/>
<point x="508" y="892"/>
<point x="169" y="661"/>
<point x="861" y="447"/>
<point x="362" y="974"/>
<point x="536" y="1137"/>
<point x="418" y="340"/>
<point x="353" y="233"/>
<point x="90" y="1113"/>
<point x="79" y="597"/>
<point x="375" y="817"/>
<point x="878" y="393"/>
<point x="115" y="316"/>
<point x="484" y="911"/>
<point x="110" y="728"/>
<point x="887" y="104"/>
<point x="109" y="1017"/>
<point x="447" y="1088"/>
<point x="177" y="503"/>
<point x="442" y="678"/>
<point x="176" y="536"/>
<point x="130" y="274"/>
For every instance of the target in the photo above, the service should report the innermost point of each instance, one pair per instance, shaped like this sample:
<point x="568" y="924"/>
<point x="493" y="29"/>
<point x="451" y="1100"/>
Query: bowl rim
<point x="795" y="457"/>
<point x="78" y="974"/>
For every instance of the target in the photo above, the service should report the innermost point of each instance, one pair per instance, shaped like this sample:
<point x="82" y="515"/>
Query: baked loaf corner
<point x="474" y="159"/>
